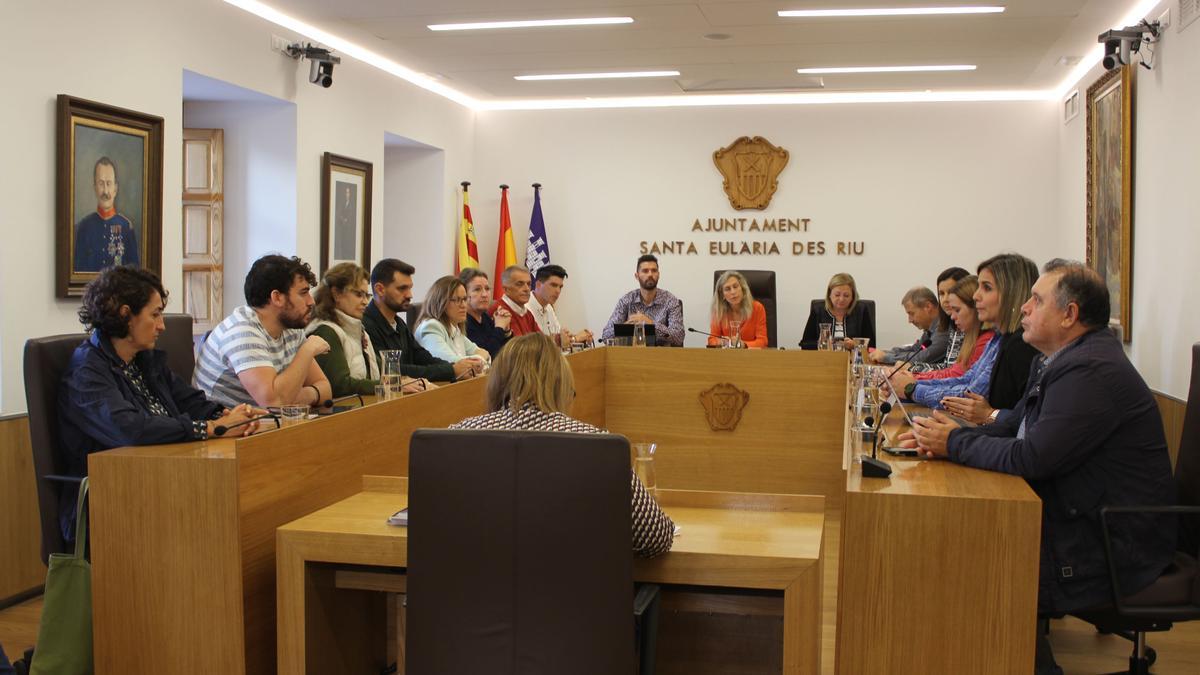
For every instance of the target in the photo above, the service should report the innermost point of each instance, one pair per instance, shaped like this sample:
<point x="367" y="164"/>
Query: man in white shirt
<point x="547" y="287"/>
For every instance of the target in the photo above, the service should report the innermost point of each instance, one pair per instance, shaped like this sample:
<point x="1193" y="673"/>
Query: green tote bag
<point x="64" y="645"/>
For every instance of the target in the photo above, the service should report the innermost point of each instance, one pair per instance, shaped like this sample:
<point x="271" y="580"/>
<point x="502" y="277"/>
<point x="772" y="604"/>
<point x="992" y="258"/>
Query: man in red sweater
<point x="517" y="284"/>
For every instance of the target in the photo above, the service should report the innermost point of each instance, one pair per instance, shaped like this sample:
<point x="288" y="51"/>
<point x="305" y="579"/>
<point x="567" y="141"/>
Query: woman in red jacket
<point x="732" y="303"/>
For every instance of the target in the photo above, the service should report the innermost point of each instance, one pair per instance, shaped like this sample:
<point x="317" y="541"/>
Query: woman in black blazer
<point x="850" y="316"/>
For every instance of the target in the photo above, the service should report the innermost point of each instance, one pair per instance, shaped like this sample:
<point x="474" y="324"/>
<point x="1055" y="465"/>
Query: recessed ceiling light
<point x="881" y="69"/>
<point x="540" y="23"/>
<point x="599" y="76"/>
<point x="889" y="11"/>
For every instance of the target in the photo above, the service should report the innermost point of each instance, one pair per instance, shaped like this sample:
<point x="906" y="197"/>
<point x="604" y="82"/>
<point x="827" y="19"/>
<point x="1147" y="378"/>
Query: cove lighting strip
<point x="795" y="98"/>
<point x="888" y="11"/>
<point x="352" y="50"/>
<point x="881" y="69"/>
<point x="540" y="23"/>
<point x="800" y="98"/>
<point x="598" y="76"/>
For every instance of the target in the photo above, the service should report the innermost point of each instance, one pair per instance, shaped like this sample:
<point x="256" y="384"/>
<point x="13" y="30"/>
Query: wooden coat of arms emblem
<point x="723" y="405"/>
<point x="751" y="167"/>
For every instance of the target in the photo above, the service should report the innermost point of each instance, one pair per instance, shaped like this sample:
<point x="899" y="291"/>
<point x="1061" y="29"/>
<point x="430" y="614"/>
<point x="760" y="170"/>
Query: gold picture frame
<point x="1110" y="190"/>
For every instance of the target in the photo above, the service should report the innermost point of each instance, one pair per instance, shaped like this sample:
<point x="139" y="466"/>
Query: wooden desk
<point x="939" y="570"/>
<point x="183" y="536"/>
<point x="729" y="541"/>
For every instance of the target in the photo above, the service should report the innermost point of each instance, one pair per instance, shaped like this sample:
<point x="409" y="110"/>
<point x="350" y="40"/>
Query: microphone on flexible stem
<point x="871" y="466"/>
<point x="328" y="403"/>
<point x="221" y="429"/>
<point x="719" y="337"/>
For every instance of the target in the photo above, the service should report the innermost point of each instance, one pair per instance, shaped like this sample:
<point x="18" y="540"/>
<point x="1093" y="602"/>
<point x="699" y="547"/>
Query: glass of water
<point x="643" y="465"/>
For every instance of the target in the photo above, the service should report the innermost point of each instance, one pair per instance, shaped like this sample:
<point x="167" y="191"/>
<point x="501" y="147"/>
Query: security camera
<point x="1120" y="45"/>
<point x="321" y="72"/>
<point x="321" y="62"/>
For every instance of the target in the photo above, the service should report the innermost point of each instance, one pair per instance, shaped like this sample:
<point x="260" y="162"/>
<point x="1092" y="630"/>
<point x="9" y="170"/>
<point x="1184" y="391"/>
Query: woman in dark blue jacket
<point x="117" y="389"/>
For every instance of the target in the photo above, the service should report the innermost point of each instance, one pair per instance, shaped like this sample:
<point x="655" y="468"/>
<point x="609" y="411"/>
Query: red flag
<point x="506" y="250"/>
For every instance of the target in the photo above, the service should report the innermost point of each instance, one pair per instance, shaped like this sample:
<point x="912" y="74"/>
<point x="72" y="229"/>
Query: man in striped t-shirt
<point x="259" y="353"/>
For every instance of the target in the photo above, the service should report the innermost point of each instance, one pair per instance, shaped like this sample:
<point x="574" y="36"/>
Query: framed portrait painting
<point x="1110" y="189"/>
<point x="109" y="192"/>
<point x="345" y="211"/>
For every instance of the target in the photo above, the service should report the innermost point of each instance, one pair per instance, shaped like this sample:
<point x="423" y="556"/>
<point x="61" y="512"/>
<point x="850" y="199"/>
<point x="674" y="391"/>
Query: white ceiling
<point x="1019" y="49"/>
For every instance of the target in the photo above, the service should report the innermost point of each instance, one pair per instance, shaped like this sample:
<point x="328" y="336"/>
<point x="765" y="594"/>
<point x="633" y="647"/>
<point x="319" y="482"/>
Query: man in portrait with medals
<point x="105" y="238"/>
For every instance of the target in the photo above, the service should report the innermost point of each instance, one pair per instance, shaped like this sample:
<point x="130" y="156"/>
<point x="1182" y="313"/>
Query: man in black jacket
<point x="1087" y="434"/>
<point x="391" y="287"/>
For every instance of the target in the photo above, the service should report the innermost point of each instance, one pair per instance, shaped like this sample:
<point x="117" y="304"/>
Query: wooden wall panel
<point x="791" y="436"/>
<point x="21" y="565"/>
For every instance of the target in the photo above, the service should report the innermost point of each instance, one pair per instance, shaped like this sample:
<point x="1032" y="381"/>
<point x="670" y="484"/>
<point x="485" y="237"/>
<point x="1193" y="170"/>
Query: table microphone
<point x="328" y="403"/>
<point x="693" y="330"/>
<point x="872" y="467"/>
<point x="221" y="429"/>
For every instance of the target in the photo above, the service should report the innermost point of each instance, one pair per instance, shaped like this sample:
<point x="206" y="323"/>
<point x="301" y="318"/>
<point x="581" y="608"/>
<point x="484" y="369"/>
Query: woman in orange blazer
<point x="732" y="302"/>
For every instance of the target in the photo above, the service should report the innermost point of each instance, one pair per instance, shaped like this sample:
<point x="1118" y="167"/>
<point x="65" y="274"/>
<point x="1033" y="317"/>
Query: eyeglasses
<point x="459" y="301"/>
<point x="361" y="295"/>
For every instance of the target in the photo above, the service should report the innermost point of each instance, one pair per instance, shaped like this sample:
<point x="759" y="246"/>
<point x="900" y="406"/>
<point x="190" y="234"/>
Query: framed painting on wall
<point x="345" y="211"/>
<point x="109" y="192"/>
<point x="1110" y="190"/>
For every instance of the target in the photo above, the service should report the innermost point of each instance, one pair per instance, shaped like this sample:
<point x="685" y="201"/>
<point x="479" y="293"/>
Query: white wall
<point x="159" y="40"/>
<point x="414" y="172"/>
<point x="1166" y="214"/>
<point x="260" y="182"/>
<point x="925" y="186"/>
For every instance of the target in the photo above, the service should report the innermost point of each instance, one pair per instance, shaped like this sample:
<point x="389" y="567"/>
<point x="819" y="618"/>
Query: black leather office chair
<point x="762" y="287"/>
<point x="179" y="343"/>
<point x="519" y="554"/>
<point x="1174" y="596"/>
<point x="410" y="316"/>
<point x="45" y="361"/>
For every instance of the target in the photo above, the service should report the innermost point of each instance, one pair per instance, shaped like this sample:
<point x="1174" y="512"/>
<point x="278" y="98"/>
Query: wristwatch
<point x="992" y="418"/>
<point x="909" y="389"/>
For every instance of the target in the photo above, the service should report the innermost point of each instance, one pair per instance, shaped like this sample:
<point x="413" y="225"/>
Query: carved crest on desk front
<point x="751" y="167"/>
<point x="723" y="404"/>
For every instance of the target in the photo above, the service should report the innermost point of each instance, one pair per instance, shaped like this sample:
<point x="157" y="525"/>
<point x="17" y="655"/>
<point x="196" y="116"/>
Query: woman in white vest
<point x="350" y="363"/>
<point x="441" y="328"/>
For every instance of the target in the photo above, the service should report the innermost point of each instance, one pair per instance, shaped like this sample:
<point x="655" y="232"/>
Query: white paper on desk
<point x="399" y="518"/>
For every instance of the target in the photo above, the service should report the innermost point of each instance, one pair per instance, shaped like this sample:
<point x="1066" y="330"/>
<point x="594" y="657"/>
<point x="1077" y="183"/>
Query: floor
<point x="1077" y="646"/>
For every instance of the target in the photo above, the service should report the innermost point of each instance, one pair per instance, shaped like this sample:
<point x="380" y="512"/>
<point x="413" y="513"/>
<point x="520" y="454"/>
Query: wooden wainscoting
<point x="1173" y="411"/>
<point x="21" y="565"/>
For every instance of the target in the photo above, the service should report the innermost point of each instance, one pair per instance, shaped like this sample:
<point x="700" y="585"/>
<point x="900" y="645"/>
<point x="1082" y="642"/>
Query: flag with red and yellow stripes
<point x="468" y="248"/>
<point x="506" y="250"/>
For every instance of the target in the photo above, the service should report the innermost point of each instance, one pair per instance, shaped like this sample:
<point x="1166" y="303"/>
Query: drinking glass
<point x="643" y="465"/>
<point x="825" y="342"/>
<point x="735" y="334"/>
<point x="862" y="442"/>
<point x="639" y="334"/>
<point x="390" y="378"/>
<point x="292" y="414"/>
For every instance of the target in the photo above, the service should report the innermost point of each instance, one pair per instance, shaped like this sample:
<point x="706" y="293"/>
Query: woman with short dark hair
<point x="117" y="389"/>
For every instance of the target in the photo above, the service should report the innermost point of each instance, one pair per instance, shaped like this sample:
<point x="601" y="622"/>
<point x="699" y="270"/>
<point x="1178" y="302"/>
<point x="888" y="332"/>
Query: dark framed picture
<point x="109" y="192"/>
<point x="1110" y="190"/>
<point x="345" y="211"/>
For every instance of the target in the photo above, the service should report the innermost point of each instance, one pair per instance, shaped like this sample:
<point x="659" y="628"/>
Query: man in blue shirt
<point x="649" y="304"/>
<point x="105" y="238"/>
